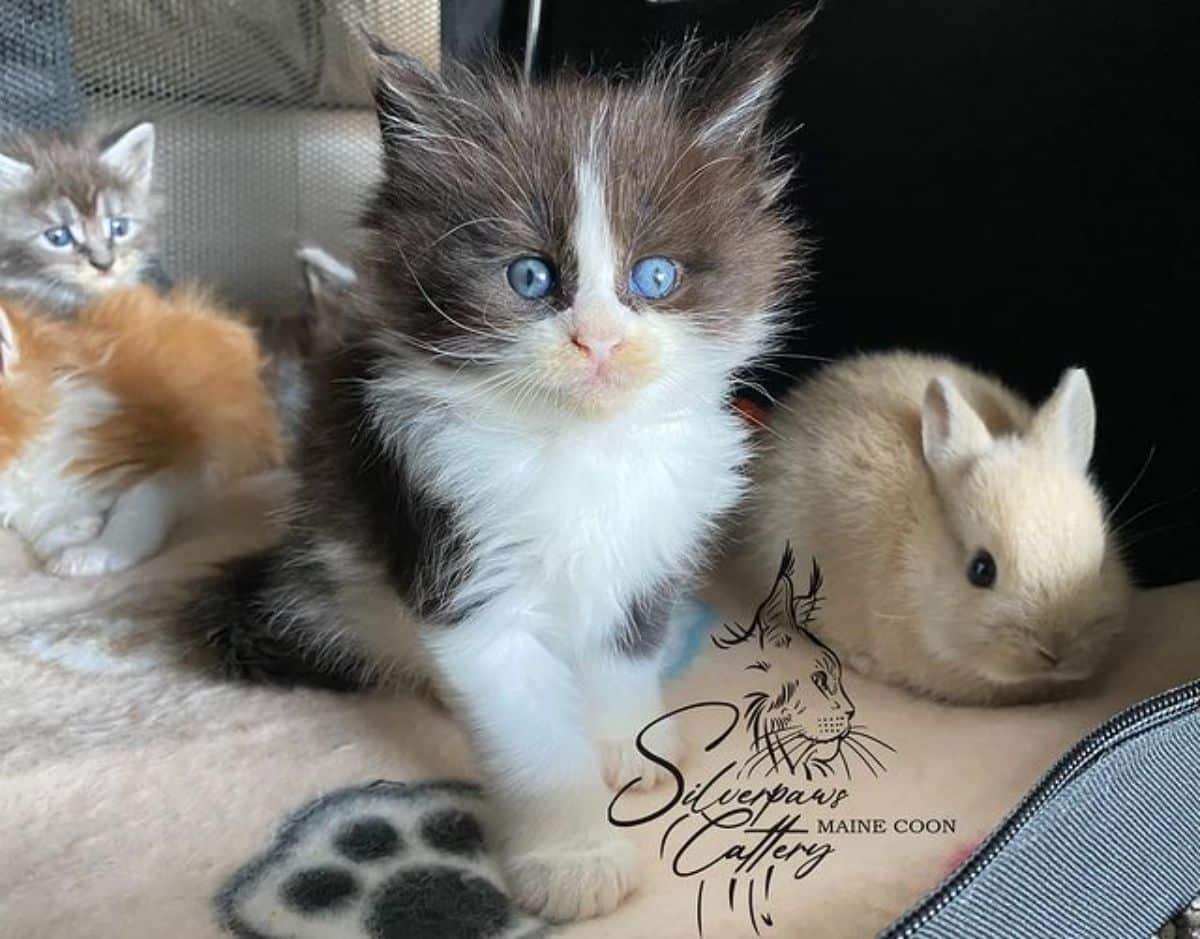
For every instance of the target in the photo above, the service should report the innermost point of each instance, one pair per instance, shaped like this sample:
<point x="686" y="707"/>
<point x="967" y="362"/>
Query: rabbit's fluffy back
<point x="844" y="479"/>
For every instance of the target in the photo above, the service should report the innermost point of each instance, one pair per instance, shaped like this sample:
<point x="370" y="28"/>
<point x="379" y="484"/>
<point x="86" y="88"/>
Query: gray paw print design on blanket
<point x="386" y="860"/>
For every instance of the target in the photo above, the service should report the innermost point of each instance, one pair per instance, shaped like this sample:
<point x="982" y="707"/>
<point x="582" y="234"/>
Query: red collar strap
<point x="754" y="413"/>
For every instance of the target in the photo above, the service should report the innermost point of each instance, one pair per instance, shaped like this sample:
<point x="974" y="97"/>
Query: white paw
<point x="586" y="876"/>
<point x="88" y="560"/>
<point x="78" y="530"/>
<point x="622" y="762"/>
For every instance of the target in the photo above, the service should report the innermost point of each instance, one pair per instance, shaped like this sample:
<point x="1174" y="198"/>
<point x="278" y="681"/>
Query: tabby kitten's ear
<point x="13" y="173"/>
<point x="731" y="87"/>
<point x="131" y="155"/>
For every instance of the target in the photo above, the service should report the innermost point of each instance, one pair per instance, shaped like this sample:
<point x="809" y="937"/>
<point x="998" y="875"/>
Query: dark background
<point x="1014" y="182"/>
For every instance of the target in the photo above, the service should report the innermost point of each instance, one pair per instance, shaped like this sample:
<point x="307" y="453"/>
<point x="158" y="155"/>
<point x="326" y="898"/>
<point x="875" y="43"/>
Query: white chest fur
<point x="569" y="525"/>
<point x="37" y="490"/>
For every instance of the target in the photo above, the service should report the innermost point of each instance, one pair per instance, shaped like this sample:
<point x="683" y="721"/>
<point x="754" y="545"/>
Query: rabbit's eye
<point x="981" y="572"/>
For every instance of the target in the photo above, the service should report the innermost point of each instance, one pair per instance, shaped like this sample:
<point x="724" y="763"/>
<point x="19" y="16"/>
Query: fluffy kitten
<point x="77" y="215"/>
<point x="524" y="445"/>
<point x="114" y="423"/>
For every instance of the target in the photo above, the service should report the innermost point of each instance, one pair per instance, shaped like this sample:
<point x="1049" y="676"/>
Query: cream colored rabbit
<point x="965" y="549"/>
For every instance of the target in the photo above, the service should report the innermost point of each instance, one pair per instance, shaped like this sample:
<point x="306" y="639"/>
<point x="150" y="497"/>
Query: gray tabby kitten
<point x="522" y="449"/>
<point x="77" y="215"/>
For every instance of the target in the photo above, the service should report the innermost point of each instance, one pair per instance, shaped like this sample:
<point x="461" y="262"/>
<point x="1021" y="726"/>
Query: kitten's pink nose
<point x="597" y="348"/>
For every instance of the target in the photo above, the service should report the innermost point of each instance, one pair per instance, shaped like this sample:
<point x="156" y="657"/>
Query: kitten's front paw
<point x="76" y="531"/>
<point x="587" y="876"/>
<point x="622" y="762"/>
<point x="88" y="560"/>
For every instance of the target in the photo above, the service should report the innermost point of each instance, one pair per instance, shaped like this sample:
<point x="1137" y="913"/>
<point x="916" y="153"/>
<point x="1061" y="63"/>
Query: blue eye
<point x="653" y="278"/>
<point x="59" y="237"/>
<point x="119" y="227"/>
<point x="530" y="277"/>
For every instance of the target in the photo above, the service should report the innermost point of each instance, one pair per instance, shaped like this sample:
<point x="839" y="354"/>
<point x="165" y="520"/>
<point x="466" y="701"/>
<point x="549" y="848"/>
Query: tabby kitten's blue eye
<point x="530" y="277"/>
<point x="59" y="237"/>
<point x="119" y="228"/>
<point x="653" y="278"/>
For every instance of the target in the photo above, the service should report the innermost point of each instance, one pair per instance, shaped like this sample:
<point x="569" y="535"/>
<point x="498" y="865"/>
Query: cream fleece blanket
<point x="141" y="798"/>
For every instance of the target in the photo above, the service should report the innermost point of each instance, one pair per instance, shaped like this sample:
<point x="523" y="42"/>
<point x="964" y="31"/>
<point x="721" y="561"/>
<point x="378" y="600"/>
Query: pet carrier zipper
<point x="1131" y="722"/>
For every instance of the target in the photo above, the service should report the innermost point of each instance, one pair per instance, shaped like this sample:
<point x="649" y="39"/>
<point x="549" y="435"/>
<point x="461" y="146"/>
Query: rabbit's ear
<point x="1066" y="423"/>
<point x="951" y="432"/>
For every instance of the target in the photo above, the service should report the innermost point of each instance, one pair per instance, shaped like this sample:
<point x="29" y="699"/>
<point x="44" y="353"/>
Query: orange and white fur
<point x="116" y="424"/>
<point x="898" y="471"/>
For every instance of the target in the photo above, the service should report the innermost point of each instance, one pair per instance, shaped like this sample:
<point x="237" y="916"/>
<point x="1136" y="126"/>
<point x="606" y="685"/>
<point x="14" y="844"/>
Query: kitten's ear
<point x="13" y="173"/>
<point x="1066" y="423"/>
<point x="323" y="272"/>
<point x="407" y="93"/>
<point x="9" y="353"/>
<point x="733" y="87"/>
<point x="132" y="155"/>
<point x="951" y="432"/>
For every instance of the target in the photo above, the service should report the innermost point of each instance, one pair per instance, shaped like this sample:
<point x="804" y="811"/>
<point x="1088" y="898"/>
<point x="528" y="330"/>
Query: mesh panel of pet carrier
<point x="266" y="137"/>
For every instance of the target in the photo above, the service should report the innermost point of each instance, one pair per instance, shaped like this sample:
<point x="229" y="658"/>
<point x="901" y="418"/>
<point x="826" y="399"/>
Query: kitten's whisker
<point x="446" y="316"/>
<point x="439" y="352"/>
<point x="681" y="190"/>
<point x="775" y="402"/>
<point x="475" y="221"/>
<point x="772" y="356"/>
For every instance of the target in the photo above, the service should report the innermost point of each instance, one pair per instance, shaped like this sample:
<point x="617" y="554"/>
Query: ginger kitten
<point x="522" y="450"/>
<point x="116" y="423"/>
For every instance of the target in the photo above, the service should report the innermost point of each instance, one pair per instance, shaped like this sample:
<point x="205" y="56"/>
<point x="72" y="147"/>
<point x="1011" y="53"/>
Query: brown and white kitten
<point x="77" y="215"/>
<point x="524" y="445"/>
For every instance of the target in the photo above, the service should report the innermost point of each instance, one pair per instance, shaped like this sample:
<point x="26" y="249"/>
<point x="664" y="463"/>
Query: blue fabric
<point x="1113" y="856"/>
<point x="691" y="621"/>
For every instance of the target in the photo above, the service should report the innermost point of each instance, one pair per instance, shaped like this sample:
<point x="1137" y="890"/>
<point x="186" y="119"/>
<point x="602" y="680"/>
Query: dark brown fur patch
<point x="480" y="169"/>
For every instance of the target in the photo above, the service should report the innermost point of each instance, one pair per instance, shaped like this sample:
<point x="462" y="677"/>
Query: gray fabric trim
<point x="1113" y="856"/>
